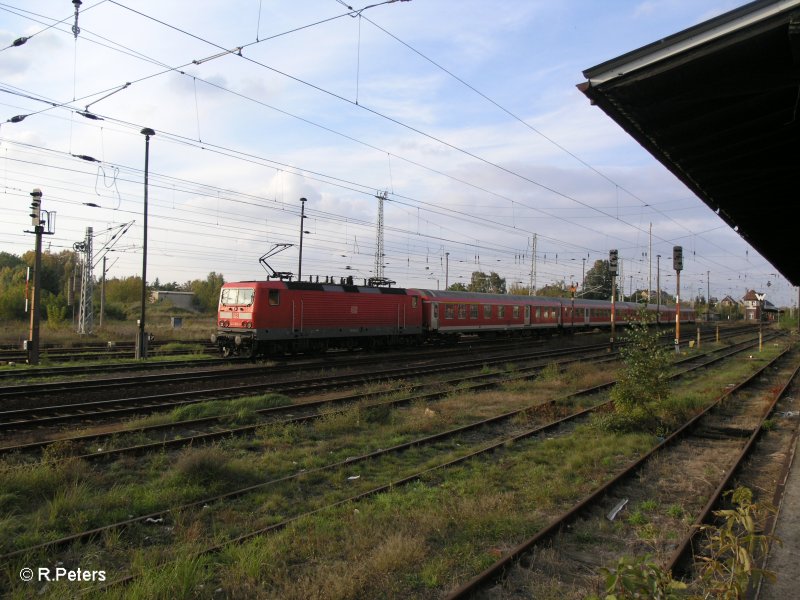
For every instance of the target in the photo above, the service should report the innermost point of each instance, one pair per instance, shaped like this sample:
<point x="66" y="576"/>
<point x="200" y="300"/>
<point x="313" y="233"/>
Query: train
<point x="278" y="317"/>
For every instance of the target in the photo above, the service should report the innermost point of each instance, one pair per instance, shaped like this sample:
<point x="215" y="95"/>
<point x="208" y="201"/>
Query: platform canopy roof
<point x="719" y="105"/>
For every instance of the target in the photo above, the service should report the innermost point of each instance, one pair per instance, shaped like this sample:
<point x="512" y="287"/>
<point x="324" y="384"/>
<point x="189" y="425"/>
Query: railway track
<point x="28" y="418"/>
<point x="721" y="437"/>
<point x="108" y="351"/>
<point x="349" y="462"/>
<point x="44" y="416"/>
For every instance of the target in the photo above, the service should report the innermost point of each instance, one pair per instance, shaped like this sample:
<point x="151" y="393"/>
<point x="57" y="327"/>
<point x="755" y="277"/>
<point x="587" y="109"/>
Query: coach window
<point x="501" y="312"/>
<point x="462" y="311"/>
<point x="538" y="313"/>
<point x="449" y="311"/>
<point x="274" y="297"/>
<point x="515" y="312"/>
<point x="487" y="311"/>
<point x="473" y="311"/>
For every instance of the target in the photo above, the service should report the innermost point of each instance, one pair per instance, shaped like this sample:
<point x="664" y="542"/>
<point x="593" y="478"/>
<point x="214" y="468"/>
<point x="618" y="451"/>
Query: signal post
<point x="677" y="264"/>
<point x="32" y="343"/>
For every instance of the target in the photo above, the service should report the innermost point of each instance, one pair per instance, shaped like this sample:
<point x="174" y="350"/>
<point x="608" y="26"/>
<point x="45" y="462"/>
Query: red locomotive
<point x="275" y="317"/>
<point x="278" y="317"/>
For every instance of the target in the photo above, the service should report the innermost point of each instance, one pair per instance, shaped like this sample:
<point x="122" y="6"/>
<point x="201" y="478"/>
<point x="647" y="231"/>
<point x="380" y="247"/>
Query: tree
<point x="10" y="260"/>
<point x="12" y="292"/>
<point x="643" y="383"/>
<point x="126" y="290"/>
<point x="457" y="287"/>
<point x="517" y="289"/>
<point x="558" y="289"/>
<point x="487" y="284"/>
<point x="206" y="293"/>
<point x="597" y="284"/>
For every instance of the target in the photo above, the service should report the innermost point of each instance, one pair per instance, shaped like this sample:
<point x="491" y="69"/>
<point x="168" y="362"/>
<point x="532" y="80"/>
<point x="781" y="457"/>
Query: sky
<point x="463" y="115"/>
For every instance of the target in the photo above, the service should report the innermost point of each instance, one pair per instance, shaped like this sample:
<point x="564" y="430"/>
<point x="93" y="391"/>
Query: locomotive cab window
<point x="414" y="301"/>
<point x="274" y="297"/>
<point x="237" y="296"/>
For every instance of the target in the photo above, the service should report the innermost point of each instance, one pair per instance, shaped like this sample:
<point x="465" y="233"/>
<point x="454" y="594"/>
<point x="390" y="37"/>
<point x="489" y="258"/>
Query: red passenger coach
<point x="449" y="314"/>
<point x="276" y="317"/>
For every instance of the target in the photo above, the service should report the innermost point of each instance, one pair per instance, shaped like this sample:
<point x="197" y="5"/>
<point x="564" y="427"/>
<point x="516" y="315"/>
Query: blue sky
<point x="336" y="112"/>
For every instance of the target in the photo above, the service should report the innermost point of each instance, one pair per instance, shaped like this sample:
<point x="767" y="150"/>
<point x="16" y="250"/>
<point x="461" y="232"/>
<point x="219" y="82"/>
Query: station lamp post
<point x="141" y="342"/>
<point x="302" y="224"/>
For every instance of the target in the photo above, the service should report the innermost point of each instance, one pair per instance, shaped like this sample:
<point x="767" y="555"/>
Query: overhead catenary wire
<point x="574" y="222"/>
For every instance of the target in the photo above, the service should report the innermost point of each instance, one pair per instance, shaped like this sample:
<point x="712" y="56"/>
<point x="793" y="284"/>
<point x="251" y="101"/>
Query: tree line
<point x="597" y="286"/>
<point x="60" y="282"/>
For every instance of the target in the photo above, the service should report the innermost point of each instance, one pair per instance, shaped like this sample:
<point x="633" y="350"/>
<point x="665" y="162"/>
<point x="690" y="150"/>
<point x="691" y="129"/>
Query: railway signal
<point x="677" y="264"/>
<point x="613" y="261"/>
<point x="677" y="258"/>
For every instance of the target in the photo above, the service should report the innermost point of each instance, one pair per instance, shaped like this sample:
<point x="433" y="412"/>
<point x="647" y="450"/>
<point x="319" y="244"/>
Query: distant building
<point x="758" y="308"/>
<point x="728" y="302"/>
<point x="178" y="299"/>
<point x="752" y="306"/>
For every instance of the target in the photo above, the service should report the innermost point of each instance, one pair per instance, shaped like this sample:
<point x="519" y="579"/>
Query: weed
<point x="675" y="511"/>
<point x="641" y="578"/>
<point x="550" y="373"/>
<point x="648" y="505"/>
<point x="728" y="563"/>
<point x="637" y="518"/>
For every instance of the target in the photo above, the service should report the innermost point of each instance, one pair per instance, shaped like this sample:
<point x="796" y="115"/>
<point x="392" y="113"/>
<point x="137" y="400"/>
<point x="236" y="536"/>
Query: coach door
<point x="434" y="316"/>
<point x="527" y="315"/>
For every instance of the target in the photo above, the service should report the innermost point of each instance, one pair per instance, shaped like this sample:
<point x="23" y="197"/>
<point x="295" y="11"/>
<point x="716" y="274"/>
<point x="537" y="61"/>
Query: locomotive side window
<point x="414" y="301"/>
<point x="274" y="297"/>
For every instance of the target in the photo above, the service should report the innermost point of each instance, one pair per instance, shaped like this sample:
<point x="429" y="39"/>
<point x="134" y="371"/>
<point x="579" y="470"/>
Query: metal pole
<point x="302" y="217"/>
<point x="658" y="291"/>
<point x="33" y="338"/>
<point x="613" y="307"/>
<point x="142" y="346"/>
<point x="103" y="293"/>
<point x="678" y="313"/>
<point x="650" y="266"/>
<point x="446" y="270"/>
<point x="583" y="276"/>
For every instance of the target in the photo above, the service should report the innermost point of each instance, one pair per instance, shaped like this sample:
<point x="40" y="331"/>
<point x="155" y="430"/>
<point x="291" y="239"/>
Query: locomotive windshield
<point x="236" y="296"/>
